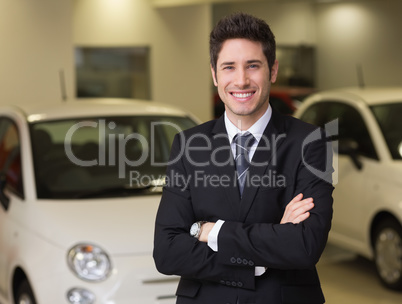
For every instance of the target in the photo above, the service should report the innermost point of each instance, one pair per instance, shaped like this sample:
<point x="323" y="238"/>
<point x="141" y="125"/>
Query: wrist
<point x="205" y="230"/>
<point x="196" y="229"/>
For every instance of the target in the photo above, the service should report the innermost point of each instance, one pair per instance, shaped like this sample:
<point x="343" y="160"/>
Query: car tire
<point x="24" y="294"/>
<point x="388" y="253"/>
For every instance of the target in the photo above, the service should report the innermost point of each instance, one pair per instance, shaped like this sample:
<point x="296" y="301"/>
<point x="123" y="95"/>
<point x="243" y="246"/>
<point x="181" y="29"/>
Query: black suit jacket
<point x="201" y="186"/>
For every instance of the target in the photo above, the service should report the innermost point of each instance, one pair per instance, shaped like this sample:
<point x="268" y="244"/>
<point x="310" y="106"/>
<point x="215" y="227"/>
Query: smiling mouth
<point x="242" y="95"/>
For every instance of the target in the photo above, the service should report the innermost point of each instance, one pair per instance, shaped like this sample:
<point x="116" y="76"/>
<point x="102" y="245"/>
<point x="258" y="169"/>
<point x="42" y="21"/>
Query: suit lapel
<point x="225" y="161"/>
<point x="272" y="138"/>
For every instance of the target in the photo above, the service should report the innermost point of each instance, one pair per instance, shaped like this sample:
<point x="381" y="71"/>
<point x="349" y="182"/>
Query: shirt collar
<point x="257" y="129"/>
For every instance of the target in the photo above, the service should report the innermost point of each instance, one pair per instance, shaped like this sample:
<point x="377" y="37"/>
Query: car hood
<point x="119" y="226"/>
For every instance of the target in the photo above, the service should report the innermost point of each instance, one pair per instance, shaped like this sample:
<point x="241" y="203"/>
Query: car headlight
<point x="89" y="262"/>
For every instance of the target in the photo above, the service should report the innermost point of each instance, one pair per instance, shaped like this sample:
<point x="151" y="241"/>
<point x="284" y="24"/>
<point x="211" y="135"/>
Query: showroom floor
<point x="349" y="279"/>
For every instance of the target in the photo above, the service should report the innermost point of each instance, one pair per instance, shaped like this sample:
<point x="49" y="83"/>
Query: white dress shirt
<point x="257" y="129"/>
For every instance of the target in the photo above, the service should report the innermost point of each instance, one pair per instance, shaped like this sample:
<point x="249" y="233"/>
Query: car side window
<point x="10" y="156"/>
<point x="351" y="124"/>
<point x="316" y="115"/>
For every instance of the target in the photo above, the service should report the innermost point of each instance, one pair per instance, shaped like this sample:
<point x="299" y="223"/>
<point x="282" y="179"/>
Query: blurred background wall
<point x="38" y="40"/>
<point x="35" y="51"/>
<point x="365" y="33"/>
<point x="345" y="34"/>
<point x="177" y="37"/>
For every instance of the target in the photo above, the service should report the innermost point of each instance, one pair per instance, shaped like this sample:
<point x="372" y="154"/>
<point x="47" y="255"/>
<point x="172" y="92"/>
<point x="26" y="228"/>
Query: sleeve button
<point x="233" y="260"/>
<point x="250" y="263"/>
<point x="239" y="284"/>
<point x="239" y="260"/>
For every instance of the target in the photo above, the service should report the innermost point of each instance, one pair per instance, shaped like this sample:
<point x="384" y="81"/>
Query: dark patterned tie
<point x="243" y="144"/>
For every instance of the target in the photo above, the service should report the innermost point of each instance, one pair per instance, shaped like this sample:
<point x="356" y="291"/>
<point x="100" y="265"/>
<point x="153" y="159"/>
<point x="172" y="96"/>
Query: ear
<point x="214" y="76"/>
<point x="274" y="71"/>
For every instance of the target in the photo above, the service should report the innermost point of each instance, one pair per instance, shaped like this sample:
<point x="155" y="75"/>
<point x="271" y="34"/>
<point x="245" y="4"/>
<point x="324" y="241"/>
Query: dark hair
<point x="241" y="25"/>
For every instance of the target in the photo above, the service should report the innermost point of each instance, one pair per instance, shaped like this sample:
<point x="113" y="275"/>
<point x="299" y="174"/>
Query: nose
<point x="241" y="78"/>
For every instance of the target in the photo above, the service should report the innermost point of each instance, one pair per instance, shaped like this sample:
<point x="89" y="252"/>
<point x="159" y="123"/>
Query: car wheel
<point x="24" y="294"/>
<point x="388" y="253"/>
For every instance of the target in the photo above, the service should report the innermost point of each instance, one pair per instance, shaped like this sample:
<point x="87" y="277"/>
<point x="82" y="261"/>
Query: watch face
<point x="194" y="229"/>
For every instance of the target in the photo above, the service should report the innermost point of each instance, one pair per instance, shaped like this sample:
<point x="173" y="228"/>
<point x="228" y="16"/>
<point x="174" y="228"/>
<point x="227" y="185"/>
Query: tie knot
<point x="243" y="142"/>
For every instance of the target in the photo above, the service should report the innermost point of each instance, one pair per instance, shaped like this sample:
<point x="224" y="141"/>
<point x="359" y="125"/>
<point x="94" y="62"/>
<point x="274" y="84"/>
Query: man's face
<point x="243" y="82"/>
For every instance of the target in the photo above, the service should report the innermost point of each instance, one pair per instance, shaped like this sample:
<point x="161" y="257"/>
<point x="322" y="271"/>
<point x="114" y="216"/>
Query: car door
<point x="351" y="191"/>
<point x="12" y="187"/>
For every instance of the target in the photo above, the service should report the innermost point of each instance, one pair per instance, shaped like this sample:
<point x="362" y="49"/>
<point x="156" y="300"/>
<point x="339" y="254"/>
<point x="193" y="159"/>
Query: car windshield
<point x="389" y="119"/>
<point x="102" y="157"/>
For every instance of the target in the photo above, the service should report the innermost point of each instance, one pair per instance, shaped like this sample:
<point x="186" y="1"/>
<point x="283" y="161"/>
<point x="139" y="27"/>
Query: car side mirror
<point x="350" y="148"/>
<point x="4" y="199"/>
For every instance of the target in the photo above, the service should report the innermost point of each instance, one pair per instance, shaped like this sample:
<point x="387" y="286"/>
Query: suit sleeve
<point x="288" y="246"/>
<point x="175" y="251"/>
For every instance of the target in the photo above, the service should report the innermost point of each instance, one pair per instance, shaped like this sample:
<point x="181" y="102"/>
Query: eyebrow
<point x="248" y="62"/>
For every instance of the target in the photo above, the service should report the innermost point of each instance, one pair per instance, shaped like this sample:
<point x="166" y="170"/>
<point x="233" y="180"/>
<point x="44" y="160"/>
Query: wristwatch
<point x="195" y="229"/>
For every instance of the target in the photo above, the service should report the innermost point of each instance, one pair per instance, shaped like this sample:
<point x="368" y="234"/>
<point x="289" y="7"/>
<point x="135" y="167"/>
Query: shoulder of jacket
<point x="297" y="126"/>
<point x="204" y="128"/>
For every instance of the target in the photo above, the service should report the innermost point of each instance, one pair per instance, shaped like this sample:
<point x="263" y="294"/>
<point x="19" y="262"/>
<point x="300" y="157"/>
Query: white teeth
<point x="242" y="95"/>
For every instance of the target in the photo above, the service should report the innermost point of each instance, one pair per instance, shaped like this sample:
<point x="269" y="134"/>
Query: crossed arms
<point x="295" y="212"/>
<point x="295" y="241"/>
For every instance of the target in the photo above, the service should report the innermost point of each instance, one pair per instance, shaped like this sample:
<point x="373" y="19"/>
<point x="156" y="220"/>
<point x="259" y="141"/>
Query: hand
<point x="297" y="210"/>
<point x="205" y="230"/>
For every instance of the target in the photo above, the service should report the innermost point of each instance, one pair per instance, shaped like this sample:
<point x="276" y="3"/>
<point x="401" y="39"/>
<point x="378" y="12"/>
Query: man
<point x="232" y="221"/>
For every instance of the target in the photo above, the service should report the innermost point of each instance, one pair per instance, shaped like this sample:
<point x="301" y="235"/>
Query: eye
<point x="228" y="67"/>
<point x="253" y="66"/>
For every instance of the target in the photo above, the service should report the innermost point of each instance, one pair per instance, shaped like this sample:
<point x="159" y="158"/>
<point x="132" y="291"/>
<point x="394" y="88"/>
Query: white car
<point x="368" y="194"/>
<point x="79" y="189"/>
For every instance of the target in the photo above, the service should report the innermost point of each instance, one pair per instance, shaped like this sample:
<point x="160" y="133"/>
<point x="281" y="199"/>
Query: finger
<point x="292" y="213"/>
<point x="298" y="204"/>
<point x="295" y="220"/>
<point x="302" y="209"/>
<point x="301" y="218"/>
<point x="296" y="208"/>
<point x="296" y="198"/>
<point x="305" y="205"/>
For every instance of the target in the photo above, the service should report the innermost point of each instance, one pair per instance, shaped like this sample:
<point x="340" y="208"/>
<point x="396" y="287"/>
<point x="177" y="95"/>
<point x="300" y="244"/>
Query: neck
<point x="244" y="122"/>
